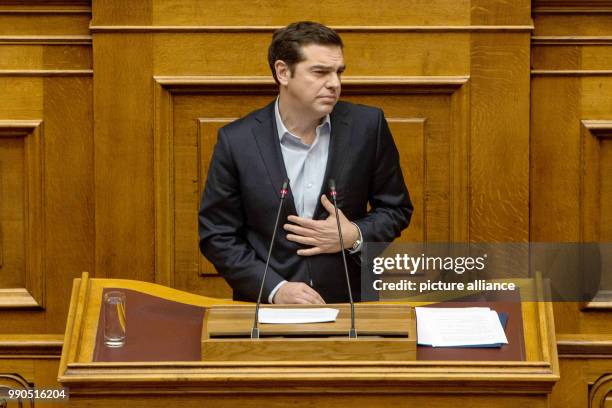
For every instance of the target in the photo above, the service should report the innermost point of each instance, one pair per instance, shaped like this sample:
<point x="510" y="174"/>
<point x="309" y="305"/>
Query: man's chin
<point x="326" y="108"/>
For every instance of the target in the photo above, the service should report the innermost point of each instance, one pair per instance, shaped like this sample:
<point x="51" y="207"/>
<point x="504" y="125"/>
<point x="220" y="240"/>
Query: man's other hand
<point x="297" y="292"/>
<point x="321" y="235"/>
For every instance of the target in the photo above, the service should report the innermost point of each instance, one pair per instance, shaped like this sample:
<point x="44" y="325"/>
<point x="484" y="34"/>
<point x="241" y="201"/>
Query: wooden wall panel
<point x="419" y="114"/>
<point x="46" y="107"/>
<point x="185" y="47"/>
<point x="366" y="53"/>
<point x="24" y="23"/>
<point x="500" y="138"/>
<point x="334" y="12"/>
<point x="570" y="163"/>
<point x="12" y="213"/>
<point x="21" y="155"/>
<point x="411" y="136"/>
<point x="124" y="211"/>
<point x="29" y="361"/>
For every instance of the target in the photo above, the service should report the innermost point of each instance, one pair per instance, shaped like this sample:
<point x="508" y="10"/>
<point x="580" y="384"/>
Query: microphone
<point x="283" y="193"/>
<point x="333" y="193"/>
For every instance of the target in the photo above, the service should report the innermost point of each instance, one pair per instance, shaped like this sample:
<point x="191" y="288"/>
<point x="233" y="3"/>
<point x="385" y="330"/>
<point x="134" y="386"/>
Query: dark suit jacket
<point x="241" y="197"/>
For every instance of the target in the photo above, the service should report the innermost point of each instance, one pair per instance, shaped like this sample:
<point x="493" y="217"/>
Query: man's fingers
<point x="310" y="251"/>
<point x="308" y="298"/>
<point x="296" y="229"/>
<point x="328" y="205"/>
<point x="298" y="292"/>
<point x="312" y="298"/>
<point x="304" y="222"/>
<point x="318" y="299"/>
<point x="301" y="240"/>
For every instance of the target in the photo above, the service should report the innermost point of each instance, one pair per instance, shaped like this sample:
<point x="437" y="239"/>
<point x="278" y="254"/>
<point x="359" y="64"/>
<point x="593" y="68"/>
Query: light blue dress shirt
<point x="305" y="164"/>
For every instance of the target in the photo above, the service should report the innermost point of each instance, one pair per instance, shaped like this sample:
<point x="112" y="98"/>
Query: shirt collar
<point x="282" y="130"/>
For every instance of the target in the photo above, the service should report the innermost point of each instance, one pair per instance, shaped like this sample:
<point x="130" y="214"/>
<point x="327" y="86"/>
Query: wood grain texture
<point x="29" y="361"/>
<point x="123" y="151"/>
<point x="385" y="333"/>
<point x="192" y="12"/>
<point x="31" y="346"/>
<point x="569" y="164"/>
<point x="338" y="28"/>
<point x="2" y="193"/>
<point x="499" y="140"/>
<point x="500" y="12"/>
<point x="45" y="77"/>
<point x="571" y="7"/>
<point x="22" y="215"/>
<point x="331" y="399"/>
<point x="570" y="24"/>
<point x="555" y="130"/>
<point x="366" y="54"/>
<point x="69" y="190"/>
<point x="40" y="24"/>
<point x="375" y="320"/>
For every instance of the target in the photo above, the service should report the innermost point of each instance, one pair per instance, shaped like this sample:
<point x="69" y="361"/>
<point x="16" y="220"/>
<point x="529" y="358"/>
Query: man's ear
<point x="282" y="72"/>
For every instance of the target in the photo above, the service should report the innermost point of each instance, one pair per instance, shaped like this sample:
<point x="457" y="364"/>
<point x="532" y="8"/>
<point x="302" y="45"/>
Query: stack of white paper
<point x="307" y="315"/>
<point x="450" y="327"/>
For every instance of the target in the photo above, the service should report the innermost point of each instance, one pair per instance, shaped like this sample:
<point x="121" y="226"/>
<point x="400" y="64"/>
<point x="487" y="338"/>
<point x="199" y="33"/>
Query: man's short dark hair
<point x="287" y="42"/>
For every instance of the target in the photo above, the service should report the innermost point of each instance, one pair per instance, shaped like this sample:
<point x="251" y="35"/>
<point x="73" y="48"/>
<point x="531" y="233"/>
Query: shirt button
<point x="309" y="185"/>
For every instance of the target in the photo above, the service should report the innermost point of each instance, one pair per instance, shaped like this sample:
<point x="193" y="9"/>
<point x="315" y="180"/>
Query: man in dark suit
<point x="309" y="137"/>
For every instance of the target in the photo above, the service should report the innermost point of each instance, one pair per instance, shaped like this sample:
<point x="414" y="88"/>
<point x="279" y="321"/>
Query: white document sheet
<point x="307" y="315"/>
<point x="448" y="327"/>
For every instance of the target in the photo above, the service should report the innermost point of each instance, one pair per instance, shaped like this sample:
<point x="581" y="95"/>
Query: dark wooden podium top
<point x="166" y="330"/>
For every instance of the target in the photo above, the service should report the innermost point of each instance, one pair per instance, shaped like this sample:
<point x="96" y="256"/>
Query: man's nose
<point x="333" y="81"/>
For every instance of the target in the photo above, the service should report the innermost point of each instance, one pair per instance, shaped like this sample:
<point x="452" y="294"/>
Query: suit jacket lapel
<point x="266" y="137"/>
<point x="339" y="145"/>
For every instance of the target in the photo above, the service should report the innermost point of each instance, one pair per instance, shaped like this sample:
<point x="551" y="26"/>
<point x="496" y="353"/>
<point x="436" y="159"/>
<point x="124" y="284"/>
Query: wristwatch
<point x="356" y="245"/>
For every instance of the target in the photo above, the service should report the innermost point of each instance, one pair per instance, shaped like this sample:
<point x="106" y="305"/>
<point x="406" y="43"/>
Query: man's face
<point x="314" y="86"/>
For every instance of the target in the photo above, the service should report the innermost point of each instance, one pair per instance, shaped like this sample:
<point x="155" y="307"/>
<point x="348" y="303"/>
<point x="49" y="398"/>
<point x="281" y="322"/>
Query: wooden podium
<point x="168" y="359"/>
<point x="387" y="332"/>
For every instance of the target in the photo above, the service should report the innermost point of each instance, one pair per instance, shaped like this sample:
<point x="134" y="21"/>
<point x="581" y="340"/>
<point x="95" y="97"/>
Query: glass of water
<point x="114" y="319"/>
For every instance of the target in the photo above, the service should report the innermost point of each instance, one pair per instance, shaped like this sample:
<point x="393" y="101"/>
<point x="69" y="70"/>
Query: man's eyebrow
<point x="327" y="67"/>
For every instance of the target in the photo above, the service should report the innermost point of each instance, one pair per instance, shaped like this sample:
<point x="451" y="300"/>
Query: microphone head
<point x="285" y="188"/>
<point x="332" y="188"/>
<point x="332" y="184"/>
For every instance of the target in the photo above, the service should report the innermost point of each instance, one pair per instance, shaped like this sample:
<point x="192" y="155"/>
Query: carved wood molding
<point x="165" y="86"/>
<point x="46" y="72"/>
<point x="1" y="234"/>
<point x="571" y="72"/>
<point x="584" y="346"/>
<point x="571" y="40"/>
<point x="341" y="29"/>
<point x="46" y="39"/>
<point x="593" y="132"/>
<point x="9" y="381"/>
<point x="600" y="391"/>
<point x="45" y="7"/>
<point x="350" y="85"/>
<point x="571" y="6"/>
<point x="32" y="295"/>
<point x="31" y="346"/>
